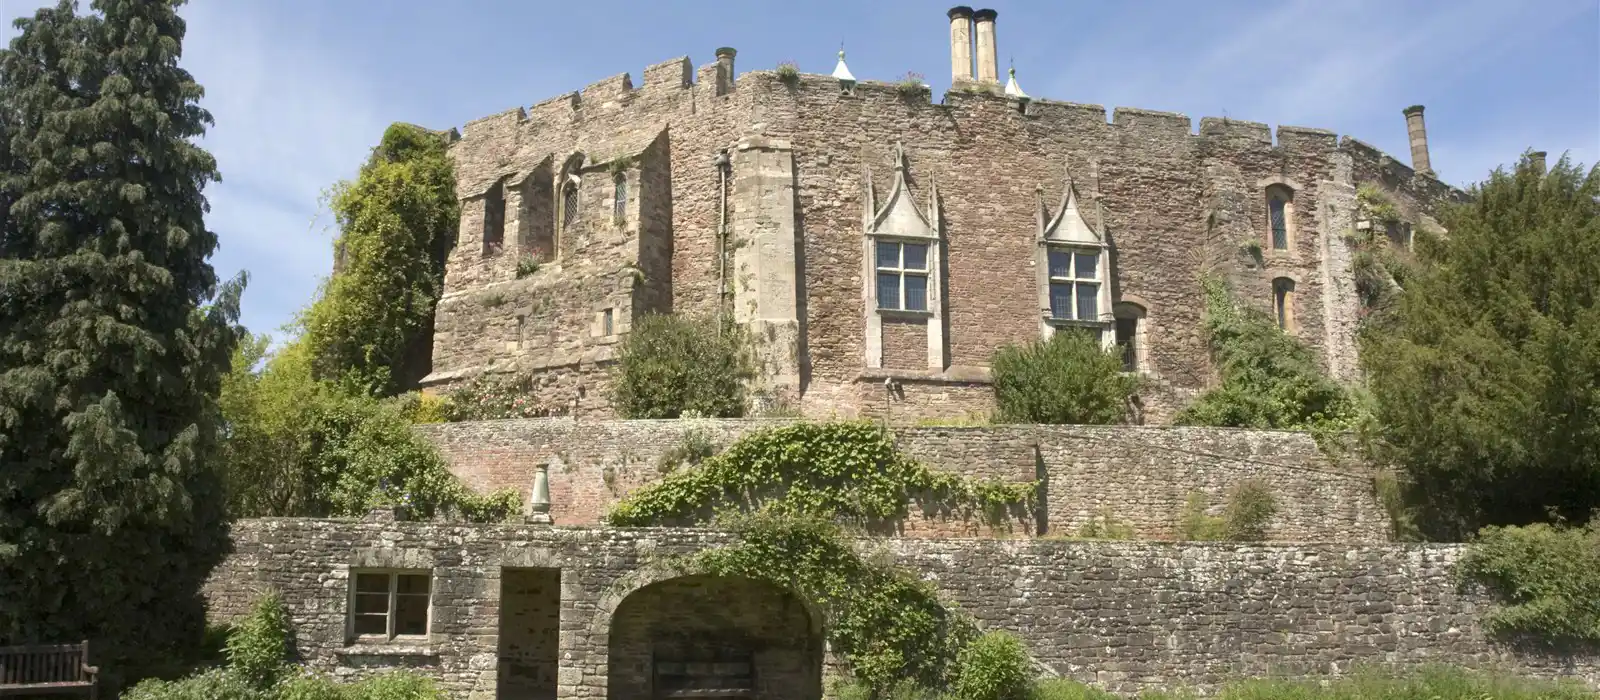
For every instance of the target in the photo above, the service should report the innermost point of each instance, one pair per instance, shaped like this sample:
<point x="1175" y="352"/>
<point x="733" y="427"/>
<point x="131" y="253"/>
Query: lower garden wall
<point x="1126" y="616"/>
<point x="1140" y="475"/>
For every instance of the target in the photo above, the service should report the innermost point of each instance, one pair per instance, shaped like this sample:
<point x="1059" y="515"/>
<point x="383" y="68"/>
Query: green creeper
<point x="1487" y="376"/>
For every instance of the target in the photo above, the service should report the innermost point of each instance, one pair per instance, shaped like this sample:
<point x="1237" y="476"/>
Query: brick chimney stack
<point x="1537" y="158"/>
<point x="988" y="66"/>
<point x="960" y="43"/>
<point x="1419" y="140"/>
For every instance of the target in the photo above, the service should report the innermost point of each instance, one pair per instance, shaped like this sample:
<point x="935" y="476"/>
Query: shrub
<point x="1069" y="378"/>
<point x="1105" y="526"/>
<point x="258" y="648"/>
<point x="1251" y="506"/>
<point x="1269" y="378"/>
<point x="910" y="84"/>
<point x="1061" y="689"/>
<point x="670" y="364"/>
<point x="788" y="73"/>
<point x="494" y="397"/>
<point x="1547" y="577"/>
<point x="398" y="685"/>
<point x="216" y="684"/>
<point x="1194" y="525"/>
<point x="994" y="666"/>
<point x="1430" y="683"/>
<point x="527" y="265"/>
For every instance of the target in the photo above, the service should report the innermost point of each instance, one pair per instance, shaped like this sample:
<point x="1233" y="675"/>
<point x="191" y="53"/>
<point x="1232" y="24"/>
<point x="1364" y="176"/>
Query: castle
<point x="881" y="247"/>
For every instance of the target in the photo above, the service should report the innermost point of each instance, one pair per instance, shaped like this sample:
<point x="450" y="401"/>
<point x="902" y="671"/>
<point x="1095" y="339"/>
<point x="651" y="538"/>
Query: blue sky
<point x="301" y="89"/>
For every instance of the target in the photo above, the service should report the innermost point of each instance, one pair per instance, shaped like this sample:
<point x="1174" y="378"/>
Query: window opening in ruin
<point x="1399" y="233"/>
<point x="1280" y="210"/>
<point x="569" y="202"/>
<point x="522" y="330"/>
<point x="390" y="604"/>
<point x="1283" y="302"/>
<point x="902" y="276"/>
<point x="619" y="209"/>
<point x="1127" y="331"/>
<point x="605" y="322"/>
<point x="1074" y="284"/>
<point x="494" y="220"/>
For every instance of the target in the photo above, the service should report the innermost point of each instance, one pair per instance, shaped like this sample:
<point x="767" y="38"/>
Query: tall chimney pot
<point x="725" y="69"/>
<point x="988" y="66"/>
<point x="1419" y="140"/>
<point x="960" y="43"/>
<point x="1537" y="159"/>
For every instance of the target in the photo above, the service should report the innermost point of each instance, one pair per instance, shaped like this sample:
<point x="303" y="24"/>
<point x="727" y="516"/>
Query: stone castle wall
<point x="1176" y="199"/>
<point x="1125" y="616"/>
<point x="1141" y="476"/>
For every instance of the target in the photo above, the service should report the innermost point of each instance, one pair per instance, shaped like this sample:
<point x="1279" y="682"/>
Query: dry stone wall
<point x="1126" y="616"/>
<point x="1140" y="475"/>
<point x="1177" y="198"/>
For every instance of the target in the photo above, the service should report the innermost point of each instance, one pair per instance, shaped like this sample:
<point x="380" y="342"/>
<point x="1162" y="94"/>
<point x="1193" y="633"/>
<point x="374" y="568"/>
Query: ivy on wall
<point x="847" y="470"/>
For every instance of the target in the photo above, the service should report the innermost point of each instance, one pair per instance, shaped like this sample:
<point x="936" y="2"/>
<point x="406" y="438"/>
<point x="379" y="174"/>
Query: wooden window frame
<point x="394" y="594"/>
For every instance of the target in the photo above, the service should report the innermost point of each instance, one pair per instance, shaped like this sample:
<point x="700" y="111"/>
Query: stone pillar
<point x="765" y="276"/>
<point x="725" y="70"/>
<point x="539" y="497"/>
<point x="960" y="43"/>
<point x="988" y="65"/>
<point x="1419" y="140"/>
<point x="1537" y="158"/>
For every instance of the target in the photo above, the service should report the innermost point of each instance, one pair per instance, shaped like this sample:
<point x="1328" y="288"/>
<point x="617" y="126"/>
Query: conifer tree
<point x="113" y="336"/>
<point x="1487" y="383"/>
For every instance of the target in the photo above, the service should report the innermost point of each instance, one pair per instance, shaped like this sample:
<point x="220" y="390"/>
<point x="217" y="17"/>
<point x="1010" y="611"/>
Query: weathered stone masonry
<point x="1140" y="475"/>
<point x="763" y="197"/>
<point x="1126" y="616"/>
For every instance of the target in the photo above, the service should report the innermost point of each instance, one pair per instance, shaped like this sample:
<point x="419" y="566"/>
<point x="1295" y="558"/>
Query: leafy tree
<point x="1069" y="378"/>
<point x="113" y="336"/>
<point x="373" y="325"/>
<point x="1269" y="378"/>
<point x="1487" y="378"/>
<point x="670" y="365"/>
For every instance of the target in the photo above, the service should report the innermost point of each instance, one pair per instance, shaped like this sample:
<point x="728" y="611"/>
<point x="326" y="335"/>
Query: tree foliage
<point x="1486" y="380"/>
<point x="114" y="336"/>
<point x="1269" y="379"/>
<point x="373" y="325"/>
<point x="299" y="446"/>
<point x="1069" y="378"/>
<point x="671" y="364"/>
<point x="1548" y="578"/>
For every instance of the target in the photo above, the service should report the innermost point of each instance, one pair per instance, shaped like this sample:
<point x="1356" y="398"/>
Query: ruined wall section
<point x="1128" y="617"/>
<point x="1139" y="476"/>
<point x="561" y="319"/>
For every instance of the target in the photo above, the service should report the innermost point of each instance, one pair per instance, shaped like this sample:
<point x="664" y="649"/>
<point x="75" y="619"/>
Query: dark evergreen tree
<point x="1487" y="379"/>
<point x="113" y="337"/>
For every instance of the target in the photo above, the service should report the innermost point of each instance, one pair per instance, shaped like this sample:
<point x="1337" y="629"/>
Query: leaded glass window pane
<point x="916" y="292"/>
<point x="888" y="254"/>
<point x="1280" y="224"/>
<point x="916" y="256"/>
<point x="888" y="290"/>
<point x="1060" y="263"/>
<point x="1060" y="300"/>
<point x="1088" y="301"/>
<point x="1087" y="264"/>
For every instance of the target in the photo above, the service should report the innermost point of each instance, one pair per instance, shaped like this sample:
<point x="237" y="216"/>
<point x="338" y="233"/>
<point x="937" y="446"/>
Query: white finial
<point x="1012" y="89"/>
<point x="842" y="71"/>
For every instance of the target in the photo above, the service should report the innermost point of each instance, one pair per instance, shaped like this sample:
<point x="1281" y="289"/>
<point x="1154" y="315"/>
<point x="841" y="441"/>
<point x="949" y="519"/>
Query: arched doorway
<point x="714" y="637"/>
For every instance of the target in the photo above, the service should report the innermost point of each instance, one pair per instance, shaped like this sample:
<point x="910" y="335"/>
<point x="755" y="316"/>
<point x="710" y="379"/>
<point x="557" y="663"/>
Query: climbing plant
<point x="396" y="222"/>
<point x="888" y="625"/>
<point x="846" y="470"/>
<point x="1269" y="378"/>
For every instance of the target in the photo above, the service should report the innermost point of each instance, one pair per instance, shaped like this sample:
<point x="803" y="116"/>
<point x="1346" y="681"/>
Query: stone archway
<point x="721" y="636"/>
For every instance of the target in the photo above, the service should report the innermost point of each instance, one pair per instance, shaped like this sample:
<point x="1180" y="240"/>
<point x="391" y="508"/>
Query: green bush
<point x="994" y="666"/>
<point x="669" y="365"/>
<point x="1249" y="509"/>
<point x="1105" y="526"/>
<point x="1061" y="689"/>
<point x="1269" y="378"/>
<point x="1069" y="378"/>
<point x="1195" y="525"/>
<point x="1432" y="683"/>
<point x="216" y="684"/>
<point x="258" y="648"/>
<point x="1548" y="578"/>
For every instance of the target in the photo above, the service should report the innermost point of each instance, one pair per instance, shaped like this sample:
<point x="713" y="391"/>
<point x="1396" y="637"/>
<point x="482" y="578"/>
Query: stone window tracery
<point x="902" y="276"/>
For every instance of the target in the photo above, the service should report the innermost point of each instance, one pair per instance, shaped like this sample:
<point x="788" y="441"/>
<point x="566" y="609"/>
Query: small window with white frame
<point x="902" y="275"/>
<point x="1074" y="284"/>
<point x="385" y="605"/>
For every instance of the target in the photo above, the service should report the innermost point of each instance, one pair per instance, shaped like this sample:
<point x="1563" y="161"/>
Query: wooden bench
<point x="47" y="669"/>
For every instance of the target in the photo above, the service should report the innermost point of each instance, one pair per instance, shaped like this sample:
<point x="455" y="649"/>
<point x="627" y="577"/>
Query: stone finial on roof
<point x="1012" y="88"/>
<point x="842" y="71"/>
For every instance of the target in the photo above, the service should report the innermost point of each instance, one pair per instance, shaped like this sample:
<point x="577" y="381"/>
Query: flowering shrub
<point x="486" y="397"/>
